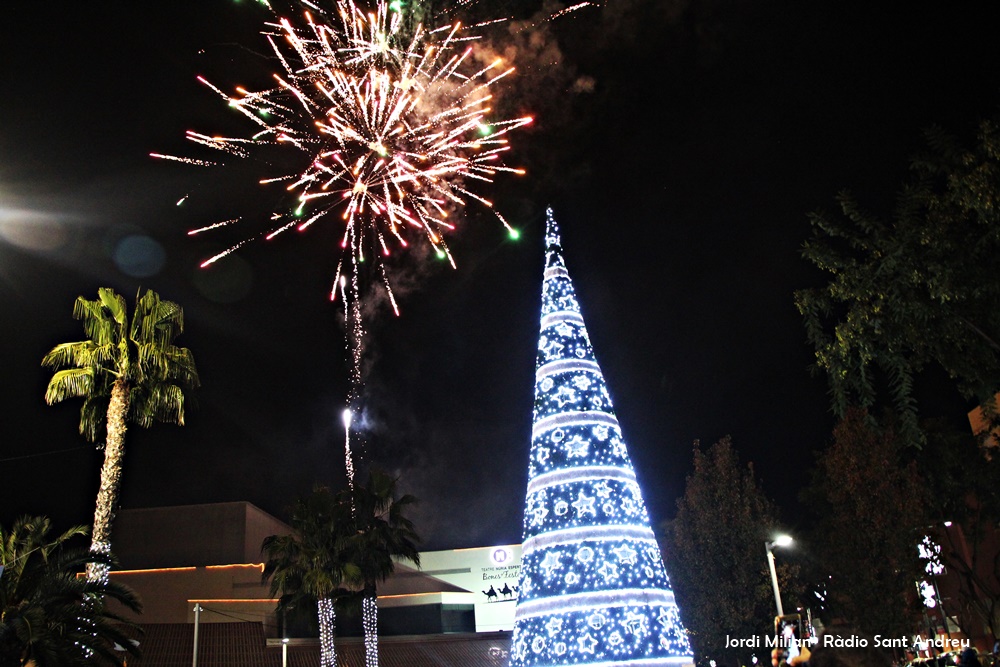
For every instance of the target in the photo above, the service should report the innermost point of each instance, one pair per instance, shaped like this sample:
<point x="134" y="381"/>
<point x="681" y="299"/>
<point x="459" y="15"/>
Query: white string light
<point x="369" y="620"/>
<point x="327" y="625"/>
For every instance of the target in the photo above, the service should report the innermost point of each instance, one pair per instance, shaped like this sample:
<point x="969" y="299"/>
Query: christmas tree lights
<point x="593" y="589"/>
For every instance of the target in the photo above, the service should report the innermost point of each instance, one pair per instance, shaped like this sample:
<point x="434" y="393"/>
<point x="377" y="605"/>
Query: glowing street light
<point x="779" y="541"/>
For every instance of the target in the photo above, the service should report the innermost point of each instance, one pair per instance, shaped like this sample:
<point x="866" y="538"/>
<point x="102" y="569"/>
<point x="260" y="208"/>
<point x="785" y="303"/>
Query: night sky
<point x="681" y="144"/>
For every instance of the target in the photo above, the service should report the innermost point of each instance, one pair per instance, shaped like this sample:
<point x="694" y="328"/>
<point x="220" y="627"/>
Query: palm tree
<point x="381" y="533"/>
<point x="50" y="616"/>
<point x="125" y="372"/>
<point x="309" y="565"/>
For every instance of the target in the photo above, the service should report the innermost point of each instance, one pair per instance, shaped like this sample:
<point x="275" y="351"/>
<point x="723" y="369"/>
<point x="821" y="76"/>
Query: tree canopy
<point x="716" y="553"/>
<point x="344" y="544"/>
<point x="311" y="563"/>
<point x="139" y="352"/>
<point x="382" y="531"/>
<point x="871" y="511"/>
<point x="310" y="568"/>
<point x="917" y="288"/>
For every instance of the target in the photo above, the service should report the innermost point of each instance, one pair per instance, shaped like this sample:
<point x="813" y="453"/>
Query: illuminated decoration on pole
<point x="930" y="553"/>
<point x="593" y="589"/>
<point x="927" y="594"/>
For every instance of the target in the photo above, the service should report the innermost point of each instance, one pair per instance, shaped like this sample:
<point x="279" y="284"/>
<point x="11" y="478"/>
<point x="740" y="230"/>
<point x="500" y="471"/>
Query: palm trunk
<point x="369" y="621"/>
<point x="327" y="632"/>
<point x="111" y="473"/>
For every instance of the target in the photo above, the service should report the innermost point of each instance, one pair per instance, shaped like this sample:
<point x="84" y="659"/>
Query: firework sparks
<point x="185" y="160"/>
<point x="394" y="130"/>
<point x="213" y="226"/>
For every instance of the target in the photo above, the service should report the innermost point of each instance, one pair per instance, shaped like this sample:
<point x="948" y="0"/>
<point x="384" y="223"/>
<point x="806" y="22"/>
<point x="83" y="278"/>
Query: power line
<point x="31" y="456"/>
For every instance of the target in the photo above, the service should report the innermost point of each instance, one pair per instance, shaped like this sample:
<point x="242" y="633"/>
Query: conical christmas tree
<point x="593" y="589"/>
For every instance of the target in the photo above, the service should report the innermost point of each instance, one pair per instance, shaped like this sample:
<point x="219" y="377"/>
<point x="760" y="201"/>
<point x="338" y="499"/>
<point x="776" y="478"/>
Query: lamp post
<point x="779" y="541"/>
<point x="197" y="618"/>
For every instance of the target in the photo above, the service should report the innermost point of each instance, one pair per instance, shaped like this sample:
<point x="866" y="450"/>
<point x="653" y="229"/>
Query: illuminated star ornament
<point x="593" y="588"/>
<point x="392" y="129"/>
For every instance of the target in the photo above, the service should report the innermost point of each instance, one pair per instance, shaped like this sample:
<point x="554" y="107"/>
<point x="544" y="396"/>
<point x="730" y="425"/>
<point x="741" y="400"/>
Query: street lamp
<point x="779" y="541"/>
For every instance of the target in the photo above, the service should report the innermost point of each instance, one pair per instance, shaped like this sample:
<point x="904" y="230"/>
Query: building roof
<point x="408" y="580"/>
<point x="244" y="645"/>
<point x="219" y="645"/>
<point x="193" y="535"/>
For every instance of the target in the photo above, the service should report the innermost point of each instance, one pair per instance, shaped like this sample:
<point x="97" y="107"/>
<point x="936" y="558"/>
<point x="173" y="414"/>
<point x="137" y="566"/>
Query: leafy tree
<point x="49" y="616"/>
<point x="917" y="289"/>
<point x="381" y="533"/>
<point x="963" y="489"/>
<point x="125" y="371"/>
<point x="719" y="566"/>
<point x="311" y="566"/>
<point x="872" y="509"/>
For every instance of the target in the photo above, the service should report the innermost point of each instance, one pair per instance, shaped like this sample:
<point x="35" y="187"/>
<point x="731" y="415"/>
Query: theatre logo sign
<point x="490" y="574"/>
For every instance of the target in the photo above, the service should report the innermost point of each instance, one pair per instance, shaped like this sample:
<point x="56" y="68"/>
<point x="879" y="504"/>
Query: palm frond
<point x="93" y="415"/>
<point x="114" y="304"/>
<point x="51" y="615"/>
<point x="69" y="383"/>
<point x="68" y="354"/>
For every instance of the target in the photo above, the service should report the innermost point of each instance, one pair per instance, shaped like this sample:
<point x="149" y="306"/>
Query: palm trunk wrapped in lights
<point x="369" y="621"/>
<point x="327" y="632"/>
<point x="111" y="474"/>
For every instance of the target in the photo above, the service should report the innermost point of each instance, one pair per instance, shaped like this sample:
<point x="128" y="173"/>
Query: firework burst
<point x="393" y="128"/>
